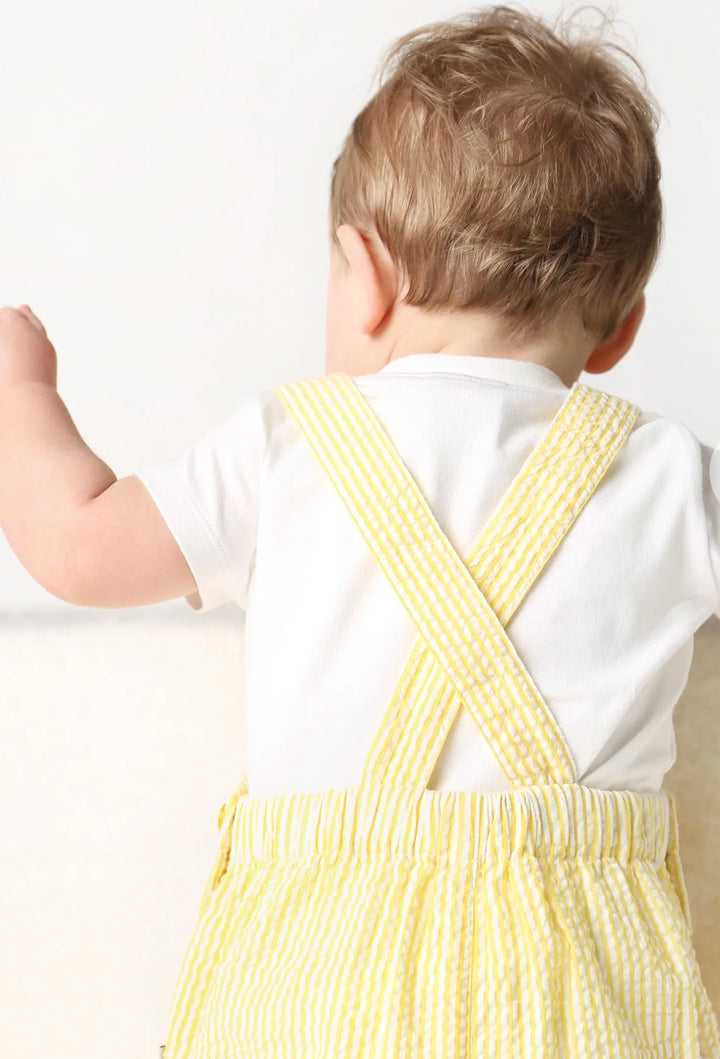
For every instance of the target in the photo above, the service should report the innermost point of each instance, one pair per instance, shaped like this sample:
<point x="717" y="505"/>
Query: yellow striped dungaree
<point x="389" y="921"/>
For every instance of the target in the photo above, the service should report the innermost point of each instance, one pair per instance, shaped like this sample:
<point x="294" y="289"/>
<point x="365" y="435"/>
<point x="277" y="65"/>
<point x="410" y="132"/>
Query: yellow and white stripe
<point x="390" y="921"/>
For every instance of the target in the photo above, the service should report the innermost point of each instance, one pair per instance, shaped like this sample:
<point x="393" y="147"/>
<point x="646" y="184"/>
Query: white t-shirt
<point x="606" y="631"/>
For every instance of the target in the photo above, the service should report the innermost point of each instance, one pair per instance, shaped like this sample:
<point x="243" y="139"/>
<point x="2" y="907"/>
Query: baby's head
<point x="498" y="195"/>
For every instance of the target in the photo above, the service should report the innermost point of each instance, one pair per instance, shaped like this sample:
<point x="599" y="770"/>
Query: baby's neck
<point x="480" y="334"/>
<point x="566" y="361"/>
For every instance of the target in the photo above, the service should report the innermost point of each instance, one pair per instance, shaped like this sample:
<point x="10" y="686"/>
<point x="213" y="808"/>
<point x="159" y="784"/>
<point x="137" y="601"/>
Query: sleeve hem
<point x="193" y="533"/>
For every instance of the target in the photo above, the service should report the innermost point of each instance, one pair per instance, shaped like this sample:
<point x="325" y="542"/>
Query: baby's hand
<point x="30" y="315"/>
<point x="26" y="353"/>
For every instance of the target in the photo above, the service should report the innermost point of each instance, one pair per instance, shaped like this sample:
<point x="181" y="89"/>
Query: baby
<point x="538" y="250"/>
<point x="471" y="585"/>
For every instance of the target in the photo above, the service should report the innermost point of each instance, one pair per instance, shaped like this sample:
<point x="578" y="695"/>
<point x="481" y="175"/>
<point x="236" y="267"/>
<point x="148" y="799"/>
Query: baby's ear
<point x="372" y="275"/>
<point x="608" y="353"/>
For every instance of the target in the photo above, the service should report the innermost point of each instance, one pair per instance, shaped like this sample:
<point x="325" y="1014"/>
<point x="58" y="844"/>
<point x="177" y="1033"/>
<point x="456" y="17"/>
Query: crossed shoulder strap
<point x="464" y="656"/>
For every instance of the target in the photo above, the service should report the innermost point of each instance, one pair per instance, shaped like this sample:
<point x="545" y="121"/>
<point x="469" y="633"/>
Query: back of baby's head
<point x="509" y="165"/>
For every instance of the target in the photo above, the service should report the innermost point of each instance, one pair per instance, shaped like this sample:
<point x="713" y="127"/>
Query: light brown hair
<point x="511" y="166"/>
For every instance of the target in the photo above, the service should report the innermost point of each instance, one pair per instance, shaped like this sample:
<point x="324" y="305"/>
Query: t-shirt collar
<point x="503" y="369"/>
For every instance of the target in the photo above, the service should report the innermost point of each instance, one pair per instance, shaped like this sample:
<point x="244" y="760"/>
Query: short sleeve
<point x="710" y="460"/>
<point x="209" y="498"/>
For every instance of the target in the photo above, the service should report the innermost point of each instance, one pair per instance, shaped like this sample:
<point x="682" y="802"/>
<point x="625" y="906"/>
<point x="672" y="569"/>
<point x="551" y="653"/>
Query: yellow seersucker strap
<point x="459" y="611"/>
<point x="513" y="548"/>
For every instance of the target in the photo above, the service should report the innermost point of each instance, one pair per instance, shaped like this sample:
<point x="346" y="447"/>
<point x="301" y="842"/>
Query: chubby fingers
<point x="30" y="315"/>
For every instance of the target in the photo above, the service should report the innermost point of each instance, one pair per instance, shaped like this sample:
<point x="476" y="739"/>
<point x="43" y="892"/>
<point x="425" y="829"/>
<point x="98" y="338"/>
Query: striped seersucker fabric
<point x="389" y="921"/>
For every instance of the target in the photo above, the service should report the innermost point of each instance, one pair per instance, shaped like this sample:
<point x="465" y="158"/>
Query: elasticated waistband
<point x="548" y="821"/>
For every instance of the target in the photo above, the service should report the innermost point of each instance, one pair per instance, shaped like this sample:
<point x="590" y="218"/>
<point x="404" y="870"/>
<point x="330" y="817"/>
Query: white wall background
<point x="164" y="178"/>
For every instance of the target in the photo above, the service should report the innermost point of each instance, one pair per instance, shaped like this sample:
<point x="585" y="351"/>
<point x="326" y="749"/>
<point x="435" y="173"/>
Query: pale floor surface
<point x="120" y="743"/>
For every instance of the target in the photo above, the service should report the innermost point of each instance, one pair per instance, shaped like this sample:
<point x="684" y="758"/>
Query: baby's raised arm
<point x="86" y="536"/>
